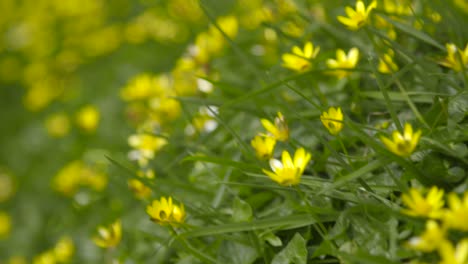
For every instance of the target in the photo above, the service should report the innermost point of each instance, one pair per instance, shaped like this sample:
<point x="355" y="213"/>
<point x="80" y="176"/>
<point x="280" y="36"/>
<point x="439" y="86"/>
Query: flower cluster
<point x="440" y="221"/>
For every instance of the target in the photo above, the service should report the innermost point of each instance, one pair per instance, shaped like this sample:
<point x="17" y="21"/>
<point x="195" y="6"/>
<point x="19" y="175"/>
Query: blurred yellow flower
<point x="17" y="260"/>
<point x="357" y="17"/>
<point x="430" y="240"/>
<point x="299" y="60"/>
<point x="402" y="144"/>
<point x="333" y="120"/>
<point x="145" y="146"/>
<point x="47" y="257"/>
<point x="386" y="64"/>
<point x="456" y="59"/>
<point x="5" y="224"/>
<point x="110" y="236"/>
<point x="163" y="211"/>
<point x="451" y="255"/>
<point x="64" y="249"/>
<point x="7" y="185"/>
<point x="279" y="130"/>
<point x="87" y="118"/>
<point x="58" y="125"/>
<point x="288" y="171"/>
<point x="430" y="206"/>
<point x="343" y="61"/>
<point x="457" y="216"/>
<point x="76" y="174"/>
<point x="140" y="190"/>
<point x="263" y="145"/>
<point x="144" y="86"/>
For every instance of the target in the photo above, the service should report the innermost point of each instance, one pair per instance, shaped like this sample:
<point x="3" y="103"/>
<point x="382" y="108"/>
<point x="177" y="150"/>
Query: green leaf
<point x="414" y="32"/>
<point x="232" y="252"/>
<point x="458" y="107"/>
<point x="241" y="210"/>
<point x="295" y="252"/>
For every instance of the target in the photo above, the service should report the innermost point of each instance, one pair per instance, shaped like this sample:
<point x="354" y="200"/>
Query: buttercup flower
<point x="451" y="255"/>
<point x="64" y="249"/>
<point x="430" y="240"/>
<point x="279" y="130"/>
<point x="299" y="60"/>
<point x="456" y="59"/>
<point x="344" y="61"/>
<point x="402" y="145"/>
<point x="357" y="17"/>
<point x="163" y="211"/>
<point x="87" y="118"/>
<point x="140" y="190"/>
<point x="386" y="64"/>
<point x="457" y="216"/>
<point x="263" y="145"/>
<point x="333" y="120"/>
<point x="288" y="172"/>
<point x="109" y="236"/>
<point x="430" y="206"/>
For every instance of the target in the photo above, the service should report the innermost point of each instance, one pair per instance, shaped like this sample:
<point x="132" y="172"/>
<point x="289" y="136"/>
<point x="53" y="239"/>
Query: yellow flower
<point x="357" y="18"/>
<point x="64" y="249"/>
<point x="57" y="125"/>
<point x="263" y="145"/>
<point x="110" y="236"/>
<point x="456" y="59"/>
<point x="144" y="86"/>
<point x="5" y="224"/>
<point x="140" y="189"/>
<point x="344" y="61"/>
<point x="146" y="145"/>
<point x="386" y="64"/>
<point x="299" y="60"/>
<point x="430" y="240"/>
<point x="163" y="211"/>
<point x="87" y="118"/>
<point x="450" y="255"/>
<point x="402" y="145"/>
<point x="457" y="216"/>
<point x="288" y="171"/>
<point x="429" y="206"/>
<point x="279" y="130"/>
<point x="47" y="257"/>
<point x="333" y="120"/>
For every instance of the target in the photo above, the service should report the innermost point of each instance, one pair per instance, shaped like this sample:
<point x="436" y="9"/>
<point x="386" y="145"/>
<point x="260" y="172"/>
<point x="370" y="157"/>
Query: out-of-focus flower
<point x="204" y="121"/>
<point x="110" y="236"/>
<point x="343" y="61"/>
<point x="456" y="216"/>
<point x="58" y="125"/>
<point x="76" y="174"/>
<point x="402" y="144"/>
<point x="146" y="145"/>
<point x="47" y="257"/>
<point x="17" y="260"/>
<point x="299" y="59"/>
<point x="430" y="240"/>
<point x="140" y="190"/>
<point x="288" y="171"/>
<point x="87" y="118"/>
<point x="456" y="59"/>
<point x="263" y="145"/>
<point x="7" y="187"/>
<point x="164" y="211"/>
<point x="451" y="255"/>
<point x="64" y="249"/>
<point x="357" y="17"/>
<point x="279" y="130"/>
<point x="144" y="86"/>
<point x="430" y="206"/>
<point x="5" y="224"/>
<point x="386" y="64"/>
<point x="333" y="120"/>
